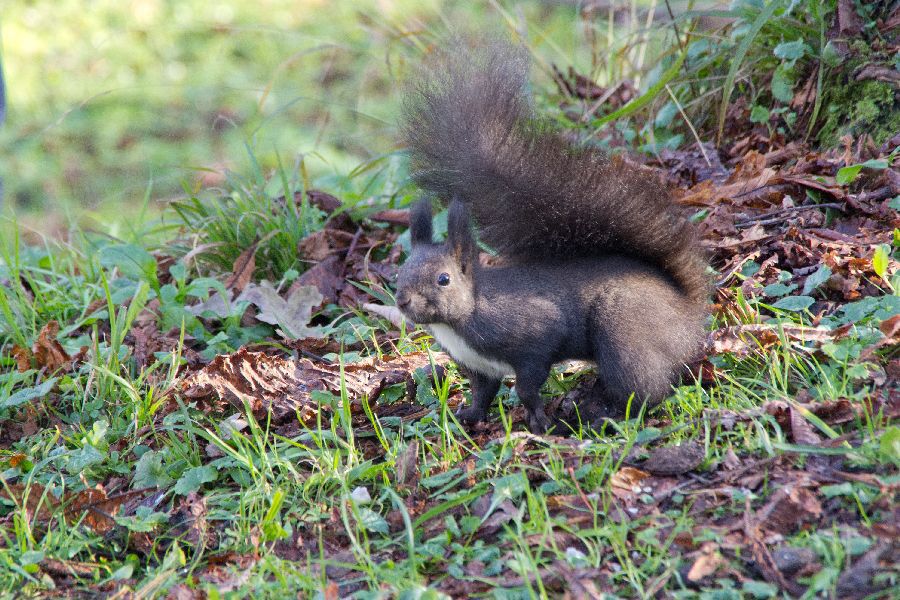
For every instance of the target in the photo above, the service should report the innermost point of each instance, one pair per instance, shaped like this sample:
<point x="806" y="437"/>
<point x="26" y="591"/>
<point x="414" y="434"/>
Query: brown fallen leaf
<point x="742" y="340"/>
<point x="332" y="592"/>
<point x="22" y="357"/>
<point x="731" y="461"/>
<point x="317" y="246"/>
<point x="189" y="520"/>
<point x="788" y="509"/>
<point x="393" y="216"/>
<point x="323" y="201"/>
<point x="34" y="499"/>
<point x="69" y="568"/>
<point x="92" y="506"/>
<point x="627" y="479"/>
<point x="284" y="387"/>
<point x="890" y="327"/>
<point x="48" y="352"/>
<point x="406" y="465"/>
<point x="95" y="509"/>
<point x="242" y="270"/>
<point x="326" y="276"/>
<point x="707" y="563"/>
<point x="761" y="555"/>
<point x="802" y="430"/>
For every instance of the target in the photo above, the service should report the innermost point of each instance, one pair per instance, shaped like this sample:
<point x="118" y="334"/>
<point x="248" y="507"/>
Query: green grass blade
<point x="647" y="97"/>
<point x="742" y="49"/>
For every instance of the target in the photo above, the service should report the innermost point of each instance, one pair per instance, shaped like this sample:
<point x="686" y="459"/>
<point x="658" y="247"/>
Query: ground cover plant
<point x="218" y="401"/>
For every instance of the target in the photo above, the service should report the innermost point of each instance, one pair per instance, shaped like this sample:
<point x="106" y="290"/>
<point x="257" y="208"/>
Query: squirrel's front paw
<point x="538" y="422"/>
<point x="470" y="415"/>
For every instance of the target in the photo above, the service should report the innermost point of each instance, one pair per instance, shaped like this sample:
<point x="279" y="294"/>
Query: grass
<point x="333" y="491"/>
<point x="225" y="504"/>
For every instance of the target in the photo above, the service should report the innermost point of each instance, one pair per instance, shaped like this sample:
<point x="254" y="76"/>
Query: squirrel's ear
<point x="459" y="235"/>
<point x="420" y="222"/>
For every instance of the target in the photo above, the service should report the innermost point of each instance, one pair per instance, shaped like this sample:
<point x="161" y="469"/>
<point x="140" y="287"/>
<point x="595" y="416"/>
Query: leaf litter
<point x="789" y="229"/>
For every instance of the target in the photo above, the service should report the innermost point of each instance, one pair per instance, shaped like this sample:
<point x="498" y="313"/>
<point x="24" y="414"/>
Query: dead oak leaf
<point x="789" y="508"/>
<point x="290" y="314"/>
<point x="48" y="352"/>
<point x="22" y="357"/>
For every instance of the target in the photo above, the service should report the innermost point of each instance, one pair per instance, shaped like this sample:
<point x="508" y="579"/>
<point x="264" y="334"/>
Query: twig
<point x="767" y="218"/>
<point x="690" y="126"/>
<point x="612" y="90"/>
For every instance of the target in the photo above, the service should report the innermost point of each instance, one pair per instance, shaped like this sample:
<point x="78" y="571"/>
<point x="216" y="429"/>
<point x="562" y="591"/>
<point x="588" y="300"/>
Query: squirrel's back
<point x="473" y="135"/>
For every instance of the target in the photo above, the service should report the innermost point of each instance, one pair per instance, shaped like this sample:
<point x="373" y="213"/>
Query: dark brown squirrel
<point x="595" y="263"/>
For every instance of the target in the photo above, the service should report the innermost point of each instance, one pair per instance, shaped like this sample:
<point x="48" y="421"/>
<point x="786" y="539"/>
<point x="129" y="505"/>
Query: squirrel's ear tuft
<point x="420" y="222"/>
<point x="459" y="235"/>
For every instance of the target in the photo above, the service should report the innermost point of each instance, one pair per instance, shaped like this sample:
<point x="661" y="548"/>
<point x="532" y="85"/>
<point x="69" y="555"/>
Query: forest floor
<point x="237" y="411"/>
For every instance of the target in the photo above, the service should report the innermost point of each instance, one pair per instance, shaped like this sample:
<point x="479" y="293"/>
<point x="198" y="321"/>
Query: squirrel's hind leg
<point x="484" y="390"/>
<point x="628" y="376"/>
<point x="528" y="387"/>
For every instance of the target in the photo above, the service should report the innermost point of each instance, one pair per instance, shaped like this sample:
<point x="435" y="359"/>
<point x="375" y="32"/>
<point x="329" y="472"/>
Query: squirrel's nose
<point x="402" y="299"/>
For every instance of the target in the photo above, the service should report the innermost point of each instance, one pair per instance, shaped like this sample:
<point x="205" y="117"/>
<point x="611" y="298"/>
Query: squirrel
<point x="594" y="261"/>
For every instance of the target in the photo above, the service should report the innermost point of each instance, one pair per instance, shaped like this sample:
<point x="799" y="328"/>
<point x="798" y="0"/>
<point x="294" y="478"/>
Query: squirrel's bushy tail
<point x="473" y="134"/>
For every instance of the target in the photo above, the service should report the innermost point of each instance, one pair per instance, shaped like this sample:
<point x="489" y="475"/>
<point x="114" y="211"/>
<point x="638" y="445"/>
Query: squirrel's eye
<point x="443" y="279"/>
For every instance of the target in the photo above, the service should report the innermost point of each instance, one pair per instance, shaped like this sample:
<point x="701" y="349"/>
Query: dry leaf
<point x="242" y="270"/>
<point x="789" y="507"/>
<point x="802" y="430"/>
<point x="627" y="478"/>
<point x="283" y="387"/>
<point x="406" y="465"/>
<point x="22" y="357"/>
<point x="291" y="314"/>
<point x="706" y="564"/>
<point x="48" y="352"/>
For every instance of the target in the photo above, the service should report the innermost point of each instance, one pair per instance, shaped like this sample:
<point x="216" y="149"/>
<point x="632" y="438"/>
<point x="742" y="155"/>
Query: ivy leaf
<point x="150" y="472"/>
<point x="791" y="51"/>
<point x="84" y="457"/>
<point x="847" y="175"/>
<point x="28" y="394"/>
<point x="782" y="85"/>
<point x="816" y="279"/>
<point x="193" y="478"/>
<point x="777" y="290"/>
<point x="759" y="114"/>
<point x="794" y="303"/>
<point x="372" y="521"/>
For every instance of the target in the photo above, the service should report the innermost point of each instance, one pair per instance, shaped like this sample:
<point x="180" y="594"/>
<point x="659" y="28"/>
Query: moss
<point x="853" y="108"/>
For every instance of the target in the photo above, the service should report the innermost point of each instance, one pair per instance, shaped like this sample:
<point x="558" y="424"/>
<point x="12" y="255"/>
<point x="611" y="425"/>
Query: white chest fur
<point x="467" y="356"/>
